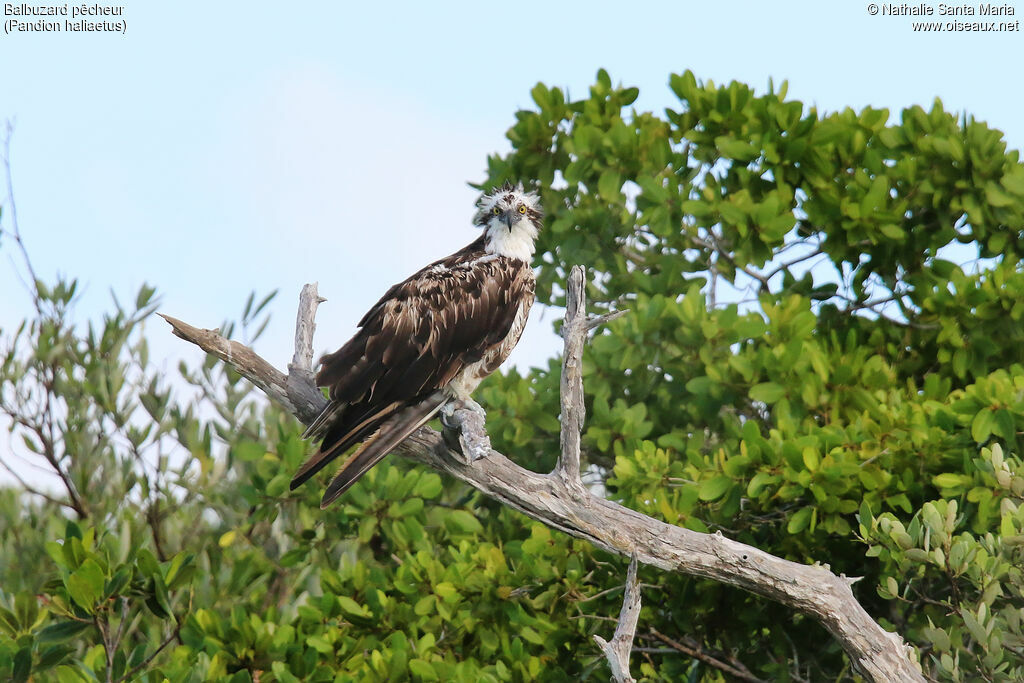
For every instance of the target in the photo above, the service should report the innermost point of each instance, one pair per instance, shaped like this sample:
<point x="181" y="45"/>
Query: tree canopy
<point x="823" y="359"/>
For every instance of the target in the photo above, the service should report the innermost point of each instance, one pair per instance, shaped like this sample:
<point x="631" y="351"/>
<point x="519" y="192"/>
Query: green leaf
<point x="608" y="186"/>
<point x="981" y="426"/>
<point x="428" y="487"/>
<point x="180" y="571"/>
<point x="351" y="607"/>
<point x="531" y="636"/>
<point x="736" y="149"/>
<point x="684" y="85"/>
<point x="117" y="582"/>
<point x="278" y="486"/>
<point x="893" y="232"/>
<point x="939" y="638"/>
<point x="158" y="601"/>
<point x="995" y="196"/>
<point x="423" y="670"/>
<point x="1014" y="180"/>
<point x="918" y="555"/>
<point x="1004" y="426"/>
<point x="714" y="488"/>
<point x="975" y="628"/>
<point x="700" y="385"/>
<point x="759" y="482"/>
<point x="460" y="521"/>
<point x="147" y="563"/>
<point x="22" y="665"/>
<point x="800" y="520"/>
<point x="85" y="585"/>
<point x="62" y="631"/>
<point x="811" y="458"/>
<point x="320" y="645"/>
<point x="767" y="392"/>
<point x="425" y="605"/>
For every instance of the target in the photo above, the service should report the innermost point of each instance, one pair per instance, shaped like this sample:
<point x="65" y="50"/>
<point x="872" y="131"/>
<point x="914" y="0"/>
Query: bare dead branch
<point x="617" y="651"/>
<point x="598" y="320"/>
<point x="300" y="377"/>
<point x="574" y="332"/>
<point x="305" y="328"/>
<point x="303" y="400"/>
<point x="812" y="590"/>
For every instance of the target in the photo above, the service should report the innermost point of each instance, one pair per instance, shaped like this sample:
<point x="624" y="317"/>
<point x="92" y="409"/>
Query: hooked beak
<point x="508" y="218"/>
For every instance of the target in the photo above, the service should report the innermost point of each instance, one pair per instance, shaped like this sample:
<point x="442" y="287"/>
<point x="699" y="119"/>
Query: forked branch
<point x="560" y="501"/>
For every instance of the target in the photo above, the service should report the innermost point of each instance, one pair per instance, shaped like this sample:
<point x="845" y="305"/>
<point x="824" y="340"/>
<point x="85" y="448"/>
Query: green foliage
<point x="814" y="363"/>
<point x="168" y="547"/>
<point x="968" y="584"/>
<point x="801" y="349"/>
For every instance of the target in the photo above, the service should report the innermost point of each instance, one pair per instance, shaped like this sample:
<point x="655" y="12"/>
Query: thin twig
<point x="47" y="435"/>
<point x="713" y="246"/>
<point x="598" y="320"/>
<point x="608" y="591"/>
<point x="696" y="651"/>
<point x="160" y="648"/>
<point x="28" y="488"/>
<point x="15" y="231"/>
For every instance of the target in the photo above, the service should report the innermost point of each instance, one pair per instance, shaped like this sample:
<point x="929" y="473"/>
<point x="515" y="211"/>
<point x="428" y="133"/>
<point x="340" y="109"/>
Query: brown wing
<point x="414" y="341"/>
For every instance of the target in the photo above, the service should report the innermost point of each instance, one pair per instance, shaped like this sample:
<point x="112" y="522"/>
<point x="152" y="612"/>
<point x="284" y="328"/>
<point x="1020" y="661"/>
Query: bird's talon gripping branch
<point x="447" y="415"/>
<point x="471" y="405"/>
<point x="464" y="433"/>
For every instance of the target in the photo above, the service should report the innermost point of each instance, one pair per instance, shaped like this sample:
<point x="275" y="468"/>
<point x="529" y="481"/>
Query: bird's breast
<point x="470" y="377"/>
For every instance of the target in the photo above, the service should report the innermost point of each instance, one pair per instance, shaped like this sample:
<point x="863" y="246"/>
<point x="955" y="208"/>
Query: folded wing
<point x="385" y="382"/>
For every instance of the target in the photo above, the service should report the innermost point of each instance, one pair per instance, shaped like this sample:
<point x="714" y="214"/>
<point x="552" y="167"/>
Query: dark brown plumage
<point x="430" y="339"/>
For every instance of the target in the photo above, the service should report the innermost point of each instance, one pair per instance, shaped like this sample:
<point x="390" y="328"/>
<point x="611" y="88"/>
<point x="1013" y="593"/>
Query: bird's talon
<point x="470" y="405"/>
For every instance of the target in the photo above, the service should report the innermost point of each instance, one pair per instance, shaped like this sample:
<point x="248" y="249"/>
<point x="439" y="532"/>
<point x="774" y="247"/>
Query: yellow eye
<point x="497" y="211"/>
<point x="522" y="208"/>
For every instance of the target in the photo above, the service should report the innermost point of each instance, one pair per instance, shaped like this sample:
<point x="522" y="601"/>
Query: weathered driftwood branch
<point x="617" y="651"/>
<point x="304" y="401"/>
<point x="564" y="505"/>
<point x="300" y="370"/>
<point x="574" y="333"/>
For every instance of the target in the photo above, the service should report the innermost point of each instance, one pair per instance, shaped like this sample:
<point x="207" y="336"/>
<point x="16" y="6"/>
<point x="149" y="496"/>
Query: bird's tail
<point x="397" y="427"/>
<point x="338" y="431"/>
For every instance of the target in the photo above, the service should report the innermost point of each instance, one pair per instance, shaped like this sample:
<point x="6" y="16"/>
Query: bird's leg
<point x="463" y="422"/>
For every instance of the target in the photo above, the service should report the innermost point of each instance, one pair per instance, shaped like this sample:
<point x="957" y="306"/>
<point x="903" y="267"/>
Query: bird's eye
<point x="496" y="211"/>
<point x="522" y="208"/>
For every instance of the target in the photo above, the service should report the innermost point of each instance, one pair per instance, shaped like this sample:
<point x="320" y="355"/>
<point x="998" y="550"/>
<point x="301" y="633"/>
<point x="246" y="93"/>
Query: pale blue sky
<point x="222" y="147"/>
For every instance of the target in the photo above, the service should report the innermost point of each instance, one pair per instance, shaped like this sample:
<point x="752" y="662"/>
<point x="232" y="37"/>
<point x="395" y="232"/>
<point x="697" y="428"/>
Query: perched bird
<point x="428" y="342"/>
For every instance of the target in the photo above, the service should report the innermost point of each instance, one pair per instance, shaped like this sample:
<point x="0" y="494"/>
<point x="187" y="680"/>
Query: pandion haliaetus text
<point x="430" y="339"/>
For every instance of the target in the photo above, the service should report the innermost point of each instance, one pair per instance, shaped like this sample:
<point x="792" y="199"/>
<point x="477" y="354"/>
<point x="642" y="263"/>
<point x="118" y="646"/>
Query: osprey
<point x="428" y="342"/>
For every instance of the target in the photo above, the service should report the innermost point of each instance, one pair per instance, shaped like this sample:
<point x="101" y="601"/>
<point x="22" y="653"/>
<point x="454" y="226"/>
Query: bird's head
<point x="511" y="218"/>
